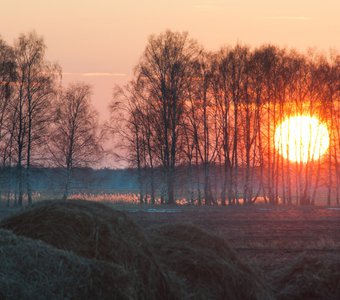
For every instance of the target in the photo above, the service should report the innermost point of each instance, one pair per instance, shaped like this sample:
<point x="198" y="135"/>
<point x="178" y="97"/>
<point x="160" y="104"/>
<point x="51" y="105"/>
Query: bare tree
<point x="74" y="137"/>
<point x="129" y="124"/>
<point x="163" y="71"/>
<point x="207" y="142"/>
<point x="7" y="80"/>
<point x="36" y="89"/>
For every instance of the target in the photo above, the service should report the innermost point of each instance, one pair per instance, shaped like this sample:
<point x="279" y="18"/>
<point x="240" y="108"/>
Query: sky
<point x="100" y="41"/>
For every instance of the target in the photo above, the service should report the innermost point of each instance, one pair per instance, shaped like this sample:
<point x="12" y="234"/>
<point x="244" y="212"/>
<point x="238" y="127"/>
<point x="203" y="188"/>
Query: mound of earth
<point x="31" y="269"/>
<point x="96" y="231"/>
<point x="209" y="269"/>
<point x="309" y="277"/>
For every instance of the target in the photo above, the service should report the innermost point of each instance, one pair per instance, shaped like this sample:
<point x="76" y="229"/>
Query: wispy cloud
<point x="95" y="74"/>
<point x="293" y="18"/>
<point x="104" y="74"/>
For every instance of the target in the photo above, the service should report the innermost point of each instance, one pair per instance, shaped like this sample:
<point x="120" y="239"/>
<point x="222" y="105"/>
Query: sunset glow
<point x="301" y="139"/>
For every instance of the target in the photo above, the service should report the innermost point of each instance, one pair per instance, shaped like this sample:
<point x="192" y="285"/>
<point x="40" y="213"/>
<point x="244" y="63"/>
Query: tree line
<point x="204" y="122"/>
<point x="41" y="123"/>
<point x="195" y="124"/>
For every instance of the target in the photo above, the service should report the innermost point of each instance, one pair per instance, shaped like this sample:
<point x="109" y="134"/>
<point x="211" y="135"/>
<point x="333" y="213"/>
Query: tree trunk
<point x="28" y="162"/>
<point x="67" y="184"/>
<point x="171" y="186"/>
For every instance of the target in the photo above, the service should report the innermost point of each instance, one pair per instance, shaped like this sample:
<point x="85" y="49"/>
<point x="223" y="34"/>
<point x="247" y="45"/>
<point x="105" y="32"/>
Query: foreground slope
<point x="34" y="270"/>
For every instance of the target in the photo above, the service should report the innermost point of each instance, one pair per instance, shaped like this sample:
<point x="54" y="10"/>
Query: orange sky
<point x="100" y="41"/>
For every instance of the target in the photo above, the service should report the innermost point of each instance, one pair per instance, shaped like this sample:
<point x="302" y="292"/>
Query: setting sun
<point x="301" y="138"/>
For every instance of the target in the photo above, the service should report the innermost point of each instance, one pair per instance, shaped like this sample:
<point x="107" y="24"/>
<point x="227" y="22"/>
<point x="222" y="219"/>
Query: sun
<point x="301" y="139"/>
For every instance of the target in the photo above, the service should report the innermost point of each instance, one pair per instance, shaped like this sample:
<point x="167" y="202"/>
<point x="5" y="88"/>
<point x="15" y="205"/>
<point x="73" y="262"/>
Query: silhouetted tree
<point x="74" y="138"/>
<point x="7" y="88"/>
<point x="36" y="90"/>
<point x="214" y="116"/>
<point x="163" y="72"/>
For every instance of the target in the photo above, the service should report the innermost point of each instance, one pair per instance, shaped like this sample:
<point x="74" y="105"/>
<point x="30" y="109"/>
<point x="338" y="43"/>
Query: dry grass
<point x="31" y="269"/>
<point x="128" y="198"/>
<point x="108" y="256"/>
<point x="309" y="277"/>
<point x="209" y="269"/>
<point x="94" y="230"/>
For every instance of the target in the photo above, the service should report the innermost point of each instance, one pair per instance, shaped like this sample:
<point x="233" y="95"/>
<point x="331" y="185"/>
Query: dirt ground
<point x="266" y="236"/>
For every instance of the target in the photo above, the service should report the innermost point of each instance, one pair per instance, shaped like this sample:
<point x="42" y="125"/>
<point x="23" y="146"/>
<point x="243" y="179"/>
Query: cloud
<point x="95" y="74"/>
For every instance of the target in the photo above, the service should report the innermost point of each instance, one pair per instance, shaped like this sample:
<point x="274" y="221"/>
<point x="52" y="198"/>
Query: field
<point x="170" y="252"/>
<point x="266" y="236"/>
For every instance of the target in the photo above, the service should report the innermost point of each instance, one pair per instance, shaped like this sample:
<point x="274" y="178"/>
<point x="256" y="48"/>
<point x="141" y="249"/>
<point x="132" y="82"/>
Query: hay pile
<point x="209" y="269"/>
<point x="109" y="257"/>
<point x="309" y="277"/>
<point x="94" y="230"/>
<point x="34" y="270"/>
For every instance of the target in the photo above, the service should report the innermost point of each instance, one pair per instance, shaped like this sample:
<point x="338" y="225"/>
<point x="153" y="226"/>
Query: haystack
<point x="95" y="231"/>
<point x="207" y="266"/>
<point x="31" y="269"/>
<point x="309" y="277"/>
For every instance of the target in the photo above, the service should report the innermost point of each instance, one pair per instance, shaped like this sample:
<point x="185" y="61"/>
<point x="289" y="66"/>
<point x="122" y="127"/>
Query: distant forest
<point x="193" y="125"/>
